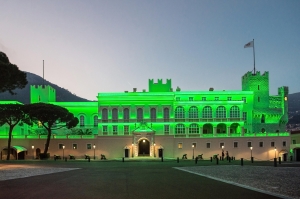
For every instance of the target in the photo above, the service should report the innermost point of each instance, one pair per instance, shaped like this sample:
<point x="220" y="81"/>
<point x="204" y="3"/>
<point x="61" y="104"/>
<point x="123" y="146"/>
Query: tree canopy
<point x="11" y="114"/>
<point x="10" y="75"/>
<point x="51" y="117"/>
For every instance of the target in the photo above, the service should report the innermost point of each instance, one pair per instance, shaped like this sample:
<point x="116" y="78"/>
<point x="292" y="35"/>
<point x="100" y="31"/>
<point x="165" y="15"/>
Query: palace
<point x="166" y="122"/>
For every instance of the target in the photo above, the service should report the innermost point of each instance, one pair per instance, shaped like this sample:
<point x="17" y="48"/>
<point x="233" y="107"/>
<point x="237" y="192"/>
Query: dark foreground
<point x="129" y="179"/>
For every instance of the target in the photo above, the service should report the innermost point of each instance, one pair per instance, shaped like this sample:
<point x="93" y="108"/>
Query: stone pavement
<point x="117" y="179"/>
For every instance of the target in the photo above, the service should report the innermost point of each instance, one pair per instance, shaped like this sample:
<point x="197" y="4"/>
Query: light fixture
<point x="144" y="141"/>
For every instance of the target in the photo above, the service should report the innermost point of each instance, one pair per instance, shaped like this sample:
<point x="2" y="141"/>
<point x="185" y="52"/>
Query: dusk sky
<point x="111" y="46"/>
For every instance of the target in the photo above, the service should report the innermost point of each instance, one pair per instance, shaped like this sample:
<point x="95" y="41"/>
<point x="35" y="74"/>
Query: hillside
<point x="23" y="95"/>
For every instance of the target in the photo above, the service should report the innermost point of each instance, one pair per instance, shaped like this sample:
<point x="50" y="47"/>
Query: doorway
<point x="144" y="147"/>
<point x="126" y="153"/>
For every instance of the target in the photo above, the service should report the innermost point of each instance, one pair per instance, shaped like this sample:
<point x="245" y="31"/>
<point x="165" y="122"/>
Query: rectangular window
<point x="194" y="144"/>
<point x="104" y="129"/>
<point x="257" y="87"/>
<point x="180" y="145"/>
<point x="216" y="98"/>
<point x="272" y="144"/>
<point x="88" y="146"/>
<point x="258" y="99"/>
<point x="74" y="146"/>
<point x="115" y="129"/>
<point x="222" y="144"/>
<point x="244" y="99"/>
<point x="167" y="128"/>
<point x="284" y="143"/>
<point x="249" y="144"/>
<point x="191" y="99"/>
<point x="229" y="98"/>
<point x="294" y="142"/>
<point x="60" y="146"/>
<point x="235" y="144"/>
<point x="261" y="144"/>
<point x="126" y="129"/>
<point x="203" y="98"/>
<point x="245" y="116"/>
<point x="177" y="98"/>
<point x="208" y="145"/>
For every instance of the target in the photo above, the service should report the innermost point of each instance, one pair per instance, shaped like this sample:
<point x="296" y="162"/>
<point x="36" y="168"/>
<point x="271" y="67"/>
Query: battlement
<point x="249" y="74"/>
<point x="284" y="91"/>
<point x="160" y="86"/>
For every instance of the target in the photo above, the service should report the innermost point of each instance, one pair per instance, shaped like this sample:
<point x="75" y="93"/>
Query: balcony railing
<point x="172" y="120"/>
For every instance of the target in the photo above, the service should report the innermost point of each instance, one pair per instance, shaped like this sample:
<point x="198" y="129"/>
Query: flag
<point x="249" y="44"/>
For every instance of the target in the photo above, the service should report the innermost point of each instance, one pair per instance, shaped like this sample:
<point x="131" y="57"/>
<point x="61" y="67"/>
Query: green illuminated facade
<point x="169" y="121"/>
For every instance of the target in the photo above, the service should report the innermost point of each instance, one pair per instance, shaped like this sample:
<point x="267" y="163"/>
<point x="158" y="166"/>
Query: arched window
<point x="221" y="112"/>
<point x="104" y="115"/>
<point x="114" y="115"/>
<point x="140" y="115"/>
<point x="193" y="112"/>
<point x="95" y="121"/>
<point x="153" y="114"/>
<point x="207" y="112"/>
<point x="193" y="129"/>
<point x="234" y="112"/>
<point x="179" y="112"/>
<point x="166" y="115"/>
<point x="81" y="121"/>
<point x="126" y="114"/>
<point x="180" y="129"/>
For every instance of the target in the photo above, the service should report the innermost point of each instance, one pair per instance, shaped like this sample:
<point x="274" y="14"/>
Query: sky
<point x="97" y="46"/>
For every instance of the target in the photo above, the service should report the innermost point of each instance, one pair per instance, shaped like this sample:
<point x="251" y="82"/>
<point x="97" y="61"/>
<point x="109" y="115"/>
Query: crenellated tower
<point x="42" y="93"/>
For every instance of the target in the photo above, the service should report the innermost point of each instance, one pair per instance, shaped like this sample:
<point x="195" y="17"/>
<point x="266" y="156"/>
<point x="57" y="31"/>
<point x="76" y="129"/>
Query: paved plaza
<point x="145" y="178"/>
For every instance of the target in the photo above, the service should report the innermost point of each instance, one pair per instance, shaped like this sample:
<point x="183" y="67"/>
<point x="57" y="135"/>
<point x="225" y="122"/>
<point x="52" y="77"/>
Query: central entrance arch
<point x="144" y="147"/>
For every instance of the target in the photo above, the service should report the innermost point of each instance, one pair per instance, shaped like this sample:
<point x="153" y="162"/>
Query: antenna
<point x="43" y="75"/>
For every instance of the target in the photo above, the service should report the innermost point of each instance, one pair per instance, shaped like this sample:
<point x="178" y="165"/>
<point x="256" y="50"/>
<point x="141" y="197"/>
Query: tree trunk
<point x="9" y="142"/>
<point x="47" y="142"/>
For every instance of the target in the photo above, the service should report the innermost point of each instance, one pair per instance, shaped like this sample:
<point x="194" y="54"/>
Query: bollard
<point x="89" y="159"/>
<point x="177" y="159"/>
<point x="196" y="160"/>
<point x="275" y="162"/>
<point x="217" y="160"/>
<point x="123" y="159"/>
<point x="162" y="159"/>
<point x="66" y="159"/>
<point x="211" y="159"/>
<point x="252" y="159"/>
<point x="229" y="159"/>
<point x="279" y="160"/>
<point x="242" y="161"/>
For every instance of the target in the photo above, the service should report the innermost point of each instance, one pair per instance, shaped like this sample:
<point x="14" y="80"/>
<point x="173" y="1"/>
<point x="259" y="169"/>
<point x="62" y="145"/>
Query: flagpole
<point x="254" y="56"/>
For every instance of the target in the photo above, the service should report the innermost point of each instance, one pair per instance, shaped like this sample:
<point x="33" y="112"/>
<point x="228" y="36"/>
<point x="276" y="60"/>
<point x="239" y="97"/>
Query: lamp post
<point x="63" y="152"/>
<point x="275" y="151"/>
<point x="251" y="154"/>
<point x="193" y="150"/>
<point x="94" y="151"/>
<point x="132" y="150"/>
<point x="32" y="151"/>
<point x="222" y="152"/>
<point x="154" y="150"/>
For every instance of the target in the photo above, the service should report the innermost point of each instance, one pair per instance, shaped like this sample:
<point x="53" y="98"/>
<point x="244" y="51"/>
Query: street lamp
<point x="251" y="154"/>
<point x="222" y="152"/>
<point x="32" y="151"/>
<point x="63" y="152"/>
<point x="154" y="150"/>
<point x="132" y="149"/>
<point x="193" y="150"/>
<point x="275" y="151"/>
<point x="94" y="151"/>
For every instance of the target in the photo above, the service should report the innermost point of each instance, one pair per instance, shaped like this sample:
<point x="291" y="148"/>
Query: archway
<point x="144" y="147"/>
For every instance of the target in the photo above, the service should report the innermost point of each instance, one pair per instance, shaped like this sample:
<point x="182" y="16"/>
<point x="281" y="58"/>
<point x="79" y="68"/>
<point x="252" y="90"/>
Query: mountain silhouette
<point x="23" y="95"/>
